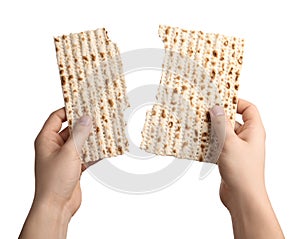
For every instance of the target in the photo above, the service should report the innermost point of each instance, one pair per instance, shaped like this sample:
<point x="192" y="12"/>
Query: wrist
<point x="238" y="199"/>
<point x="253" y="217"/>
<point x="45" y="220"/>
<point x="53" y="209"/>
<point x="248" y="202"/>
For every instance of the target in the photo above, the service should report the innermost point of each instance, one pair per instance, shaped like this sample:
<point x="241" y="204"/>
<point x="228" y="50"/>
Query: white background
<point x="30" y="91"/>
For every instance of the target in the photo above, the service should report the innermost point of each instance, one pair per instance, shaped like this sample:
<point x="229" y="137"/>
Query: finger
<point x="249" y="112"/>
<point x="253" y="127"/>
<point x="238" y="128"/>
<point x="65" y="133"/>
<point x="237" y="125"/>
<point x="83" y="167"/>
<point x="54" y="122"/>
<point x="79" y="134"/>
<point x="88" y="164"/>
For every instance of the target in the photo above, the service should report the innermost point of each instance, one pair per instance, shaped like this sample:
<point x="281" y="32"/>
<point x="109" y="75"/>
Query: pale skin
<point x="57" y="172"/>
<point x="241" y="164"/>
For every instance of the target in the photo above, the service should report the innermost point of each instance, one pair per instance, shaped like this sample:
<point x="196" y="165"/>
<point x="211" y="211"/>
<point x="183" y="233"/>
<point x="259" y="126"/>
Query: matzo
<point x="93" y="84"/>
<point x="199" y="71"/>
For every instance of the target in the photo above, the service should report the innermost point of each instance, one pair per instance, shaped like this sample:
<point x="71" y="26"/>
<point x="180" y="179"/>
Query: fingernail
<point x="217" y="110"/>
<point x="84" y="120"/>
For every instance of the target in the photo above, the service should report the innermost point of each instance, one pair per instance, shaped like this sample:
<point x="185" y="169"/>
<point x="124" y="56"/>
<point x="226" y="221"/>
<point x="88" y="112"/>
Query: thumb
<point x="221" y="126"/>
<point x="218" y="133"/>
<point x="218" y="123"/>
<point x="80" y="133"/>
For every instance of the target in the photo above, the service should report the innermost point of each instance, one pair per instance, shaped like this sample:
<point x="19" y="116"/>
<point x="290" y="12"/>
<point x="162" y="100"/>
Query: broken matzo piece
<point x="93" y="84"/>
<point x="199" y="71"/>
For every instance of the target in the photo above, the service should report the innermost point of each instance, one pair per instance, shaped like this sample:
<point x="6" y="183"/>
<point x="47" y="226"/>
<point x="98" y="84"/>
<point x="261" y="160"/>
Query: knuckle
<point x="40" y="140"/>
<point x="254" y="107"/>
<point x="52" y="114"/>
<point x="37" y="141"/>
